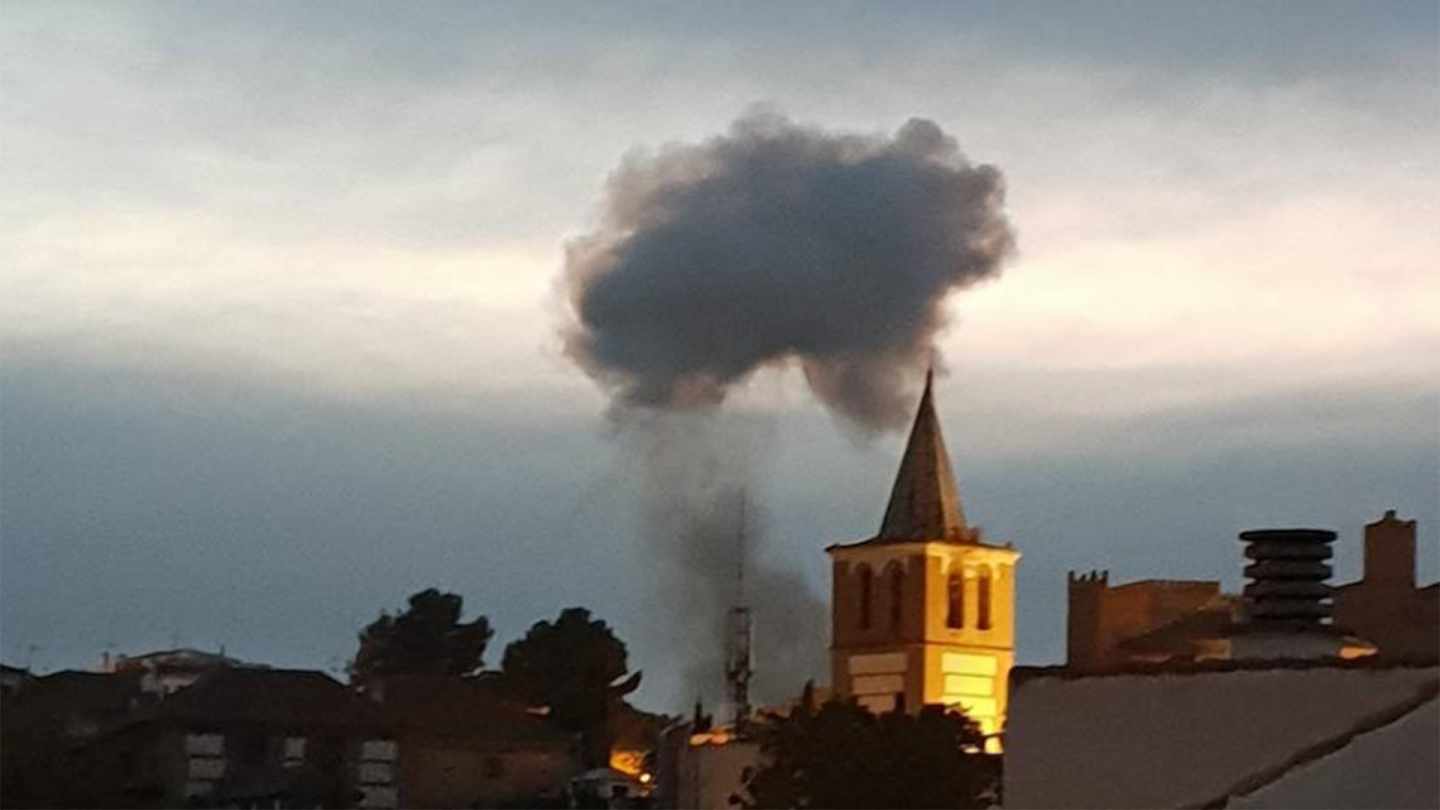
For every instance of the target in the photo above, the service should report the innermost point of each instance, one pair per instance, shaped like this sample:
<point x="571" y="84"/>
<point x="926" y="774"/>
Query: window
<point x="984" y="599"/>
<point x="955" y="614"/>
<point x="897" y="593"/>
<point x="866" y="585"/>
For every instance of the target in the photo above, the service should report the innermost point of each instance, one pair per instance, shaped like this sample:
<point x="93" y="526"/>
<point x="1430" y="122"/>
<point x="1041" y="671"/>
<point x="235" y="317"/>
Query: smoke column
<point x="772" y="244"/>
<point x="695" y="469"/>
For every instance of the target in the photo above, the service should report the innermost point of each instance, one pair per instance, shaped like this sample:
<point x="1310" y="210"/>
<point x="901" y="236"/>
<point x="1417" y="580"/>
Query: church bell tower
<point x="924" y="611"/>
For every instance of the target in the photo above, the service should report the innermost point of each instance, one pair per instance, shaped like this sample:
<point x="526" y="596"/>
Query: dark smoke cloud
<point x="778" y="242"/>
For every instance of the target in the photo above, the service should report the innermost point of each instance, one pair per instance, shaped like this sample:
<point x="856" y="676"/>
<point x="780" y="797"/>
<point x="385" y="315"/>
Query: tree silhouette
<point x="843" y="756"/>
<point x="577" y="667"/>
<point x="428" y="638"/>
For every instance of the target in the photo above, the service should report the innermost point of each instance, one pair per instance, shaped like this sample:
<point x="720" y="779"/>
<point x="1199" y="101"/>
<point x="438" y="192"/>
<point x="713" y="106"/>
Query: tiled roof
<point x="462" y="708"/>
<point x="56" y="705"/>
<point x="276" y="698"/>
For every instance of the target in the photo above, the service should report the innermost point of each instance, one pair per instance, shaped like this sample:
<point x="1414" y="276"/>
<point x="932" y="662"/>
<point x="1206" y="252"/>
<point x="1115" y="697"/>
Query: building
<point x="167" y="671"/>
<point x="1111" y="626"/>
<point x="241" y="738"/>
<point x="464" y="743"/>
<point x="1102" y="618"/>
<point x="924" y="611"/>
<point x="1265" y="704"/>
<point x="51" y="716"/>
<point x="12" y="679"/>
<point x="1385" y="606"/>
<point x="702" y="766"/>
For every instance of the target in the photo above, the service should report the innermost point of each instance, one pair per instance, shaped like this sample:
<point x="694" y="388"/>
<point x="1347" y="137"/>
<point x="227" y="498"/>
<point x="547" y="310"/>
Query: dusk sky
<point x="280" y="342"/>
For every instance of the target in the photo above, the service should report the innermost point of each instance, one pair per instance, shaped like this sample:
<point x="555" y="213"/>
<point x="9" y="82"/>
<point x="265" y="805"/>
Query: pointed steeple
<point x="924" y="504"/>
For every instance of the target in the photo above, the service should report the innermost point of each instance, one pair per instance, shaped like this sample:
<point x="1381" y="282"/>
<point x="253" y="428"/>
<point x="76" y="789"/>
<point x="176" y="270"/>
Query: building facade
<point x="924" y="611"/>
<point x="233" y="738"/>
<point x="1385" y="606"/>
<point x="463" y="742"/>
<point x="1102" y="617"/>
<point x="1112" y="626"/>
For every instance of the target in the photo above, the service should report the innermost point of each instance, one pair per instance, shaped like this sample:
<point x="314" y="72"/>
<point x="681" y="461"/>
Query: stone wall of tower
<point x="889" y="652"/>
<point x="1084" y="644"/>
<point x="1101" y="616"/>
<point x="923" y="658"/>
<point x="850" y="629"/>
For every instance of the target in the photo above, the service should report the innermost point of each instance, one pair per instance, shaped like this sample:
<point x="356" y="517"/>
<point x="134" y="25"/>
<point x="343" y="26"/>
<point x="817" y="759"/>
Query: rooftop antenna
<point x="738" y="661"/>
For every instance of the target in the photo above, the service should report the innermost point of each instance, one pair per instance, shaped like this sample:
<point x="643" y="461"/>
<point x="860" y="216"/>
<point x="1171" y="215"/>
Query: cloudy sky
<point x="279" y="340"/>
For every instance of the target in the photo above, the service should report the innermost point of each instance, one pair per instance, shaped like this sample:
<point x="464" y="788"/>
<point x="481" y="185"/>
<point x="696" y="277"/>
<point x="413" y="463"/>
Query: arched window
<point x="955" y="614"/>
<point x="897" y="595"/>
<point x="866" y="586"/>
<point x="983" y="598"/>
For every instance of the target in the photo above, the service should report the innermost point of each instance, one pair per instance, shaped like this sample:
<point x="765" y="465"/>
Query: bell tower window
<point x="867" y="585"/>
<point x="897" y="595"/>
<point x="983" y="594"/>
<point x="955" y="610"/>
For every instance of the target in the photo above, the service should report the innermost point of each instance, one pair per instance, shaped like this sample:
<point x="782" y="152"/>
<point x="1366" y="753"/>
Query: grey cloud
<point x="352" y="122"/>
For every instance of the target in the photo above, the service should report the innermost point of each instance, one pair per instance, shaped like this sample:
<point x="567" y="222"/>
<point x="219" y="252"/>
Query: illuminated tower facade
<point x="924" y="611"/>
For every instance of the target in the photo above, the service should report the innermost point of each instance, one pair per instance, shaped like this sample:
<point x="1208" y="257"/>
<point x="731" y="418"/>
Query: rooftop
<point x="1021" y="674"/>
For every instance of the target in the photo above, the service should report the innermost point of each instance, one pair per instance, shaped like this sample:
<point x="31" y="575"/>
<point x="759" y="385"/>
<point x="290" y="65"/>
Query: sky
<point x="280" y="342"/>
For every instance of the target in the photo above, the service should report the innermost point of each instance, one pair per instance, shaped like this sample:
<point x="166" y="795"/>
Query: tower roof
<point x="924" y="504"/>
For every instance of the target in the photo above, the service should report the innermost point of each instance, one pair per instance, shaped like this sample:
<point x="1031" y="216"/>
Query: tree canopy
<point x="576" y="666"/>
<point x="843" y="756"/>
<point x="427" y="638"/>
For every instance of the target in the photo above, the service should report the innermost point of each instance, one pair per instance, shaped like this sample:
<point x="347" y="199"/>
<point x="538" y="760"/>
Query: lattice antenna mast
<point x="738" y="669"/>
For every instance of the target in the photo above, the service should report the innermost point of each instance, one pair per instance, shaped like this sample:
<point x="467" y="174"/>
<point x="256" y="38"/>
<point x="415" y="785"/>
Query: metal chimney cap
<point x="1310" y="535"/>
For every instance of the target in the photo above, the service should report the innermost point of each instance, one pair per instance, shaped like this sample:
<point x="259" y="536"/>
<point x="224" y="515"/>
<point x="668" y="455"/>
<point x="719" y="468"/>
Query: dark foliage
<point x="576" y="666"/>
<point x="427" y="639"/>
<point x="842" y="756"/>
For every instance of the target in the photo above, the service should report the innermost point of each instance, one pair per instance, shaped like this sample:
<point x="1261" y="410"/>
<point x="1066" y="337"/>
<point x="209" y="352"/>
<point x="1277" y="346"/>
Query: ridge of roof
<point x="266" y="697"/>
<point x="1025" y="673"/>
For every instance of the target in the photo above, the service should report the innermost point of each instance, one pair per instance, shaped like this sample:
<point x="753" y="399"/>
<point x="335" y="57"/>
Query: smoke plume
<point x="772" y="244"/>
<point x="775" y="243"/>
<point x="703" y="521"/>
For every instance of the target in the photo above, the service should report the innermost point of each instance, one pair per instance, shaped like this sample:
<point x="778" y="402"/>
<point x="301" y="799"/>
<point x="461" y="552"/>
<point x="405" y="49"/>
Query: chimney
<point x="1390" y="552"/>
<point x="1288" y="576"/>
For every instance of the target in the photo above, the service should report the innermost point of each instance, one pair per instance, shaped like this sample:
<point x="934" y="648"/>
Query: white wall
<point x="1173" y="740"/>
<point x="1392" y="760"/>
<point x="708" y="775"/>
